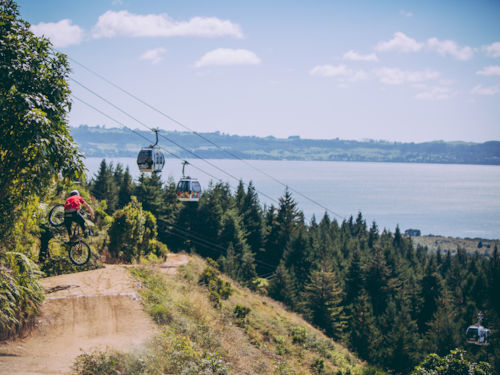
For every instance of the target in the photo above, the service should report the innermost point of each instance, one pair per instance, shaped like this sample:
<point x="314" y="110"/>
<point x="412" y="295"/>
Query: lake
<point x="441" y="199"/>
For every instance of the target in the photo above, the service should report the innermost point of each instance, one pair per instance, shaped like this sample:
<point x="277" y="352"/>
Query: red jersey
<point x="73" y="203"/>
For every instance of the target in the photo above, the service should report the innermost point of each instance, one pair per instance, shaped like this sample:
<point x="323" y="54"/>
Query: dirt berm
<point x="82" y="312"/>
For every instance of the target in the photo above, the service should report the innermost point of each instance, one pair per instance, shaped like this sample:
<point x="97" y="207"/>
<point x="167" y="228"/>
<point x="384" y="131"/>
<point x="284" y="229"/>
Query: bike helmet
<point x="74" y="192"/>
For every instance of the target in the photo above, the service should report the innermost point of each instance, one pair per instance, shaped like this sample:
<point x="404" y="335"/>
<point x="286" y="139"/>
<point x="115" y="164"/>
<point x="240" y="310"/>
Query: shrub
<point x="241" y="312"/>
<point x="299" y="335"/>
<point x="20" y="293"/>
<point x="132" y="233"/>
<point x="218" y="288"/>
<point x="60" y="265"/>
<point x="111" y="363"/>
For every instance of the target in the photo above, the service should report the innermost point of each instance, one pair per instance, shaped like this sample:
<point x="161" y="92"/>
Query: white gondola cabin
<point x="151" y="159"/>
<point x="476" y="334"/>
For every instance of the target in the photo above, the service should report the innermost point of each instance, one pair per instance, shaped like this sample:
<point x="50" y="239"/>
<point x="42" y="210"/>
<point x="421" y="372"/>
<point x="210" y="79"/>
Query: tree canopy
<point x="35" y="141"/>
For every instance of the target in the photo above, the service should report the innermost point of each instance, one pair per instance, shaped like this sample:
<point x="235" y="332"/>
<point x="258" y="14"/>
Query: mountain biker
<point x="71" y="214"/>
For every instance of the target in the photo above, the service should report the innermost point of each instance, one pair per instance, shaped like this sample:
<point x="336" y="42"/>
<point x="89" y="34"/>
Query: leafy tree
<point x="133" y="233"/>
<point x="35" y="141"/>
<point x="452" y="364"/>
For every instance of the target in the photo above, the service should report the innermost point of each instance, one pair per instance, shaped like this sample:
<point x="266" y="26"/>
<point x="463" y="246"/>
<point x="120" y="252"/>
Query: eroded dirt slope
<point x="82" y="312"/>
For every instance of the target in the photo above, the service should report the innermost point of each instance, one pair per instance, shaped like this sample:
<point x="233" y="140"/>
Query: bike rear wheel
<point x="79" y="252"/>
<point x="56" y="215"/>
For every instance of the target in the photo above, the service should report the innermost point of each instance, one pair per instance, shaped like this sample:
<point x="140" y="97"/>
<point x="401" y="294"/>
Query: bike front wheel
<point x="56" y="215"/>
<point x="79" y="253"/>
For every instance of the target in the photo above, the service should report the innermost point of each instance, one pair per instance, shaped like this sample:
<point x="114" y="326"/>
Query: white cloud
<point x="405" y="13"/>
<point x="341" y="72"/>
<point x="435" y="93"/>
<point x="227" y="56"/>
<point x="154" y="55"/>
<point x="396" y="76"/>
<point x="493" y="49"/>
<point x="493" y="70"/>
<point x="400" y="42"/>
<point x="354" y="56"/>
<point x="450" y="47"/>
<point x="112" y="24"/>
<point x="489" y="91"/>
<point x="61" y="34"/>
<point x="331" y="71"/>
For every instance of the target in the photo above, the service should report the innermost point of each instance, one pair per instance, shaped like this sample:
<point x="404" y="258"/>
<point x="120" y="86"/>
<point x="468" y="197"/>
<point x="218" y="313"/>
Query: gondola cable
<point x="168" y="139"/>
<point x="140" y="135"/>
<point x="205" y="138"/>
<point x="184" y="234"/>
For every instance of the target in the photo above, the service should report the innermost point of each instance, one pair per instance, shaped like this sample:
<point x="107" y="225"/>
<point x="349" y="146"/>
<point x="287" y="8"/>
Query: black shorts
<point x="73" y="216"/>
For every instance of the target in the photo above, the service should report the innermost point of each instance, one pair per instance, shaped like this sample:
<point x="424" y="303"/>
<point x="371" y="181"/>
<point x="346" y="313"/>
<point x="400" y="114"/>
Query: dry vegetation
<point x="470" y="245"/>
<point x="243" y="334"/>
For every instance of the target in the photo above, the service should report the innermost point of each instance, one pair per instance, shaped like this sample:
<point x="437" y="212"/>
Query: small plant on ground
<point x="218" y="288"/>
<point x="241" y="312"/>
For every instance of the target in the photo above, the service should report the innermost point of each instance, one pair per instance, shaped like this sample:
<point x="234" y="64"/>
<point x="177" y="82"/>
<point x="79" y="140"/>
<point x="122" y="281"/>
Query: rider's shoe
<point x="86" y="233"/>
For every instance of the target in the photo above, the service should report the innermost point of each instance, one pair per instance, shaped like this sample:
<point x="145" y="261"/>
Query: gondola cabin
<point x="150" y="159"/>
<point x="478" y="335"/>
<point x="188" y="190"/>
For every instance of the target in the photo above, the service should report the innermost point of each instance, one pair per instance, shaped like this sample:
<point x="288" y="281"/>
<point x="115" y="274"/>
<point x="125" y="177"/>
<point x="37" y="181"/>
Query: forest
<point x="390" y="302"/>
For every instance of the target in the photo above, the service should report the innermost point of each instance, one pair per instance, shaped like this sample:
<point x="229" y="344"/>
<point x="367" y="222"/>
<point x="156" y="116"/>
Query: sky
<point x="406" y="71"/>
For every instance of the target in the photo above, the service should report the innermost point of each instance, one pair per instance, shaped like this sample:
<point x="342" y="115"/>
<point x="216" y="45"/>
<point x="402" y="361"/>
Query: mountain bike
<point x="78" y="250"/>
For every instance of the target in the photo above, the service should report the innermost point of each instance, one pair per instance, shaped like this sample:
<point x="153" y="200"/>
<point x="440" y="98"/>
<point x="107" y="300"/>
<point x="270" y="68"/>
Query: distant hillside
<point x="123" y="142"/>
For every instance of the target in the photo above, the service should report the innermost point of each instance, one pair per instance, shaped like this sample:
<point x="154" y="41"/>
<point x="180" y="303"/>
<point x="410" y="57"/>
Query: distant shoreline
<point x="123" y="142"/>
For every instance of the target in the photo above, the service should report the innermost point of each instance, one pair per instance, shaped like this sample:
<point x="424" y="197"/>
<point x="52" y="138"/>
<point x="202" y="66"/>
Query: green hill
<point x="123" y="142"/>
<point x="211" y="325"/>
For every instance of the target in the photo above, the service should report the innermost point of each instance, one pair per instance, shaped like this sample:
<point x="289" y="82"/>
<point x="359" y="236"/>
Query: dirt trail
<point x="82" y="312"/>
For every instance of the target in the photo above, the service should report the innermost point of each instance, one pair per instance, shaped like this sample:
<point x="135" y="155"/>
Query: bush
<point x="20" y="293"/>
<point x="112" y="363"/>
<point x="60" y="265"/>
<point x="241" y="312"/>
<point x="132" y="233"/>
<point x="299" y="335"/>
<point x="218" y="288"/>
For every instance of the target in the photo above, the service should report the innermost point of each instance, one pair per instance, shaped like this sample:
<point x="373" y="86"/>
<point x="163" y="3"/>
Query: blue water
<point x="441" y="199"/>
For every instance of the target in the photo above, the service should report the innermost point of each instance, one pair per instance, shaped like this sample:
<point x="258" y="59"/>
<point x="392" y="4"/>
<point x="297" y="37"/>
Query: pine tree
<point x="445" y="330"/>
<point x="322" y="302"/>
<point x="126" y="189"/>
<point x="430" y="293"/>
<point x="149" y="192"/>
<point x="373" y="235"/>
<point x="104" y="188"/>
<point x="281" y="229"/>
<point x="252" y="220"/>
<point x="363" y="334"/>
<point x="354" y="279"/>
<point x="282" y="287"/>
